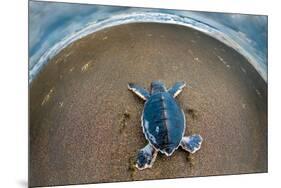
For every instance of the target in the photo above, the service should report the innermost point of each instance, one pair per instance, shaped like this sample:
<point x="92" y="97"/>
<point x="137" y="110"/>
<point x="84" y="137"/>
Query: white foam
<point x="157" y="129"/>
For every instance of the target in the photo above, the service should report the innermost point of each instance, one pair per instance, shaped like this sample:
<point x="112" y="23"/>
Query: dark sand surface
<point x="85" y="124"/>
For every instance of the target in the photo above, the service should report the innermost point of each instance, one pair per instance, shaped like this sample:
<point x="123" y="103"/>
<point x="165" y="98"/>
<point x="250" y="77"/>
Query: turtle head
<point x="157" y="87"/>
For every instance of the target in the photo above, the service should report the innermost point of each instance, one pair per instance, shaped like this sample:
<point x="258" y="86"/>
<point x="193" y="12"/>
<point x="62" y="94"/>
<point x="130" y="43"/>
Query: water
<point x="53" y="26"/>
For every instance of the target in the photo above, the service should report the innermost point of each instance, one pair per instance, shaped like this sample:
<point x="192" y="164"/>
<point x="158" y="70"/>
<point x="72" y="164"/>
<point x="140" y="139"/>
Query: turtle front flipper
<point x="141" y="92"/>
<point x="146" y="157"/>
<point x="176" y="89"/>
<point x="191" y="143"/>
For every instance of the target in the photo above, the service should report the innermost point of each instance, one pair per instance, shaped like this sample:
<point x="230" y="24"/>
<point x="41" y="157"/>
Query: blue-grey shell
<point x="163" y="122"/>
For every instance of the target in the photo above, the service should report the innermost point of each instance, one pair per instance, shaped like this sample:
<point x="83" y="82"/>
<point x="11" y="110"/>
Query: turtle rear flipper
<point x="191" y="143"/>
<point x="139" y="91"/>
<point x="176" y="89"/>
<point x="146" y="157"/>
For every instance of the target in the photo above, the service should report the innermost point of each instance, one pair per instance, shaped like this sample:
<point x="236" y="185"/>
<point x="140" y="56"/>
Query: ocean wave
<point x="226" y="35"/>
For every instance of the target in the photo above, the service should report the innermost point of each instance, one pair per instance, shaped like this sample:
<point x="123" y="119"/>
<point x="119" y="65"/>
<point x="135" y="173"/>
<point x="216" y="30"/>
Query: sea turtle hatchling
<point x="163" y="123"/>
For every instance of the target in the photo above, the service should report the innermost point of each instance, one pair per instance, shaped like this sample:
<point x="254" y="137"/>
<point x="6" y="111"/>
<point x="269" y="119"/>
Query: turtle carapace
<point x="163" y="123"/>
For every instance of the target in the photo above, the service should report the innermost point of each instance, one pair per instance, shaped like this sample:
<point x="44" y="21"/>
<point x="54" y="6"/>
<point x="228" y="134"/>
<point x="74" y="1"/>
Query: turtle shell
<point x="163" y="122"/>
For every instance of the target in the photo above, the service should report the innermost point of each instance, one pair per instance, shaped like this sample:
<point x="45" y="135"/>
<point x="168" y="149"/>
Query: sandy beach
<point x="84" y="124"/>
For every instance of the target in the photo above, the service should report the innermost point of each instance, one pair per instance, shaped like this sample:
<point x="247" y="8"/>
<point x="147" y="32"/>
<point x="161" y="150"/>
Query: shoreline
<point x="157" y="18"/>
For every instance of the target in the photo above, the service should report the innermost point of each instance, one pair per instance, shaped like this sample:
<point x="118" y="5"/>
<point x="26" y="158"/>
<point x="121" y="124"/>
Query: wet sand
<point x="85" y="124"/>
